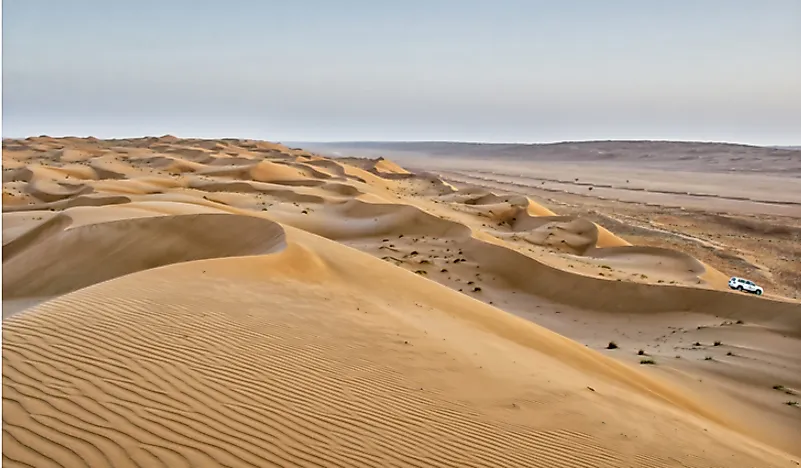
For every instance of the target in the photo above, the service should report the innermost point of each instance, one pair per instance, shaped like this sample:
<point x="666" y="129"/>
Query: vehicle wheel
<point x="739" y="288"/>
<point x="759" y="293"/>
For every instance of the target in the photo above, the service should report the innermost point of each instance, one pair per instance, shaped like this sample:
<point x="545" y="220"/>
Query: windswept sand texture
<point x="172" y="302"/>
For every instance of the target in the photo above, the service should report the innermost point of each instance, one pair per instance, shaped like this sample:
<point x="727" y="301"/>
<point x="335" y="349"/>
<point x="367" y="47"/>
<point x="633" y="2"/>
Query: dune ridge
<point x="134" y="244"/>
<point x="241" y="303"/>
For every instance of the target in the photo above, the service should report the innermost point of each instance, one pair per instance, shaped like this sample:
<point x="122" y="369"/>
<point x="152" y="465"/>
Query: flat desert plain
<point x="180" y="302"/>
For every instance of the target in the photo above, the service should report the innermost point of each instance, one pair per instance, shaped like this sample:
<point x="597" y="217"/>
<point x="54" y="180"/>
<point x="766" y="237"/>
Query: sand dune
<point x="142" y="373"/>
<point x="171" y="164"/>
<point x="135" y="244"/>
<point x="239" y="303"/>
<point x="49" y="191"/>
<point x="93" y="200"/>
<point x="356" y="219"/>
<point x="385" y="166"/>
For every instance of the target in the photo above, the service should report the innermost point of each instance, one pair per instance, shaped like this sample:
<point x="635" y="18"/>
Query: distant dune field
<point x="180" y="302"/>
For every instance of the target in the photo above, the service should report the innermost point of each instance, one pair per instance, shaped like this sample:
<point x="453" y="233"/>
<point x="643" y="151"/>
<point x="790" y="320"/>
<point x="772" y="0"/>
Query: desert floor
<point x="171" y="302"/>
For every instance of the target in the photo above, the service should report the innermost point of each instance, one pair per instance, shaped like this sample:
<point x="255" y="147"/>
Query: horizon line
<point x="554" y="142"/>
<point x="469" y="142"/>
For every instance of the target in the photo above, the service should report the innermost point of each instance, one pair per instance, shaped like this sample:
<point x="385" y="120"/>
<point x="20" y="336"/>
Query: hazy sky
<point x="533" y="71"/>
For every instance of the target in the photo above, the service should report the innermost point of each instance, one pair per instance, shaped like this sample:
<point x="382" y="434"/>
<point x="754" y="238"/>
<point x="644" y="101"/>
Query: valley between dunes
<point x="173" y="302"/>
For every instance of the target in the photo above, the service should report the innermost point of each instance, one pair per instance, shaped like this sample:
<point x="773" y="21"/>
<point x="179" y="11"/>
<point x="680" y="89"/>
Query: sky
<point x="458" y="70"/>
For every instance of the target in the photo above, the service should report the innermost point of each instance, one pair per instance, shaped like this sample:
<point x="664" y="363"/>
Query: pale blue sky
<point x="526" y="71"/>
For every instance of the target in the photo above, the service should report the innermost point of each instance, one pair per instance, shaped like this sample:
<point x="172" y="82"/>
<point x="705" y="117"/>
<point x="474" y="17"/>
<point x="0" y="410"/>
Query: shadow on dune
<point x="274" y="190"/>
<point x="52" y="192"/>
<point x="53" y="259"/>
<point x="81" y="200"/>
<point x="290" y="174"/>
<point x="356" y="218"/>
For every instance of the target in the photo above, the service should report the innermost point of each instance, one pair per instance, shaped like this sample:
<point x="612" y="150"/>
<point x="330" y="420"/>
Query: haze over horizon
<point x="508" y="71"/>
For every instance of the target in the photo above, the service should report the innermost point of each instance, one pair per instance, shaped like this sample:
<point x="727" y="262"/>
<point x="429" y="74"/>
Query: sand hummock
<point x="178" y="302"/>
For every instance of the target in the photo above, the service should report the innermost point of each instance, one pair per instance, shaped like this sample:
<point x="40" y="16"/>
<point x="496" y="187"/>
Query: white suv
<point x="742" y="284"/>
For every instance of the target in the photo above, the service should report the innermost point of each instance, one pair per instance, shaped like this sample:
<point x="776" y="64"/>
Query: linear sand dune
<point x="357" y="219"/>
<point x="537" y="225"/>
<point x="218" y="362"/>
<point x="134" y="244"/>
<point x="630" y="297"/>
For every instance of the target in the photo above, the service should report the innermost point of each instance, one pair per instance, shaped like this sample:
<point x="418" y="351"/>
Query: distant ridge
<point x="717" y="157"/>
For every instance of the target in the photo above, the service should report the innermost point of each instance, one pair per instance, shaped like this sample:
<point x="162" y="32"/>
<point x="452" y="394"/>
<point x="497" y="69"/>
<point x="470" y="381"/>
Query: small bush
<point x="708" y="358"/>
<point x="421" y="272"/>
<point x="729" y="354"/>
<point x="647" y="361"/>
<point x="612" y="345"/>
<point x="740" y="322"/>
<point x="476" y="289"/>
<point x="697" y="343"/>
<point x="784" y="389"/>
<point x="640" y="353"/>
<point x="791" y="403"/>
<point x="718" y="343"/>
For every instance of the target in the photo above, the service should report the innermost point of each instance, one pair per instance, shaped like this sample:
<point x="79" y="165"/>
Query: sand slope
<point x="240" y="303"/>
<point x="321" y="364"/>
